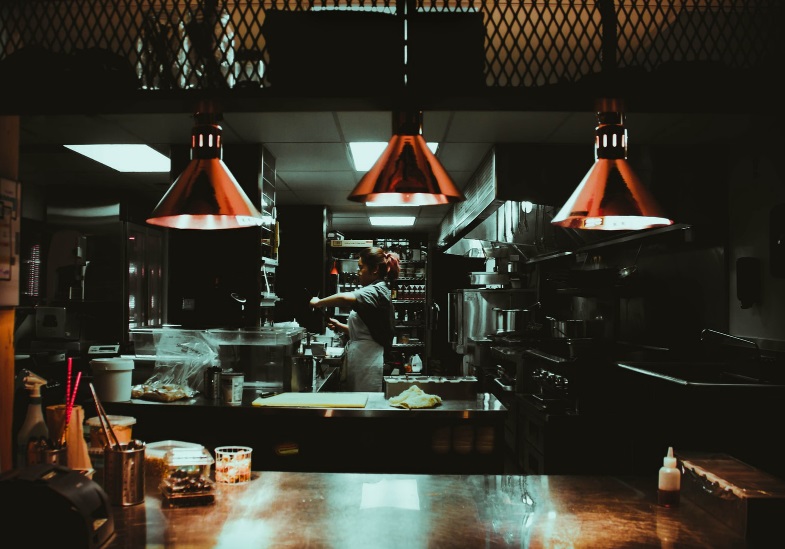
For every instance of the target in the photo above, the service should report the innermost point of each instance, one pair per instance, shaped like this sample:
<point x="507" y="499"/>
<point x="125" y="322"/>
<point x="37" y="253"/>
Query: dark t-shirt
<point x="374" y="305"/>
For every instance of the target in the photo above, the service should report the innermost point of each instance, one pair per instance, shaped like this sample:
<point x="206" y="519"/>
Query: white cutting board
<point x="315" y="400"/>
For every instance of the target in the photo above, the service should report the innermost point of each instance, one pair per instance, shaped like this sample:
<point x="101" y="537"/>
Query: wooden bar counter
<point x="344" y="510"/>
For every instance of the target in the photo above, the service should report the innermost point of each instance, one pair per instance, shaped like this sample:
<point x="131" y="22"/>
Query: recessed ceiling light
<point x="365" y="154"/>
<point x="392" y="220"/>
<point x="125" y="158"/>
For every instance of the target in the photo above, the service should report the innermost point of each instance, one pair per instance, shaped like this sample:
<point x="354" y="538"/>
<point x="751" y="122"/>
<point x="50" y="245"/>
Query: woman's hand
<point x="315" y="302"/>
<point x="334" y="325"/>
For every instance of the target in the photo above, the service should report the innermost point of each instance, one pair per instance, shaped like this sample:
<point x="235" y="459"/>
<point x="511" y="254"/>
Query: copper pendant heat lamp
<point x="407" y="173"/>
<point x="611" y="197"/>
<point x="206" y="195"/>
<point x="334" y="270"/>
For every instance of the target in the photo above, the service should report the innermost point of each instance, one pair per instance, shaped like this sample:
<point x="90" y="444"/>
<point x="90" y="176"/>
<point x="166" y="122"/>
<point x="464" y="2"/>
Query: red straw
<point x="68" y="380"/>
<point x="69" y="407"/>
<point x="72" y="398"/>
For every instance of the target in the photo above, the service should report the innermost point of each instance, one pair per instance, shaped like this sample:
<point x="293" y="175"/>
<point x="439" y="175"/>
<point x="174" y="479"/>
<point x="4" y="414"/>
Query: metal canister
<point x="232" y="387"/>
<point x="124" y="473"/>
<point x="212" y="382"/>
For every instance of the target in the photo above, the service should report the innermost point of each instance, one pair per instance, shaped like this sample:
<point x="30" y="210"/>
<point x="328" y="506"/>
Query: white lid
<point x="189" y="456"/>
<point x="114" y="421"/>
<point x="115" y="364"/>
<point x="160" y="448"/>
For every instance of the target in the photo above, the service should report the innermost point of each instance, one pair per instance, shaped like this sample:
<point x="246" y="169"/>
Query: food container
<point x="232" y="387"/>
<point x="449" y="388"/>
<point x="112" y="378"/>
<point x="186" y="480"/>
<point x="233" y="464"/>
<point x="121" y="425"/>
<point x="212" y="383"/>
<point x="155" y="457"/>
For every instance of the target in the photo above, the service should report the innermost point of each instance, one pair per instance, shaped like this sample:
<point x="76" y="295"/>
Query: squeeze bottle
<point x="34" y="426"/>
<point x="669" y="485"/>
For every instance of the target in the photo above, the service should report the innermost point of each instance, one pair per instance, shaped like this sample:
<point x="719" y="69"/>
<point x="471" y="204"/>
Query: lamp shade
<point x="407" y="173"/>
<point x="206" y="195"/>
<point x="611" y="196"/>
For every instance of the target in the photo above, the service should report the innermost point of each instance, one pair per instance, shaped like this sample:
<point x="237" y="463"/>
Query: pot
<point x="576" y="329"/>
<point x="513" y="320"/>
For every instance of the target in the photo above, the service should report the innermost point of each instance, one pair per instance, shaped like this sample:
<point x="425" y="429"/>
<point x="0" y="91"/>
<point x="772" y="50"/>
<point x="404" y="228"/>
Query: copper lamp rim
<point x="205" y="196"/>
<point x="628" y="206"/>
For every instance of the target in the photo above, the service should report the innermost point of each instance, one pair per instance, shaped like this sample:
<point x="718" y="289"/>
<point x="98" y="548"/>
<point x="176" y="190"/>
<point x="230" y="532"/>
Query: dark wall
<point x="302" y="262"/>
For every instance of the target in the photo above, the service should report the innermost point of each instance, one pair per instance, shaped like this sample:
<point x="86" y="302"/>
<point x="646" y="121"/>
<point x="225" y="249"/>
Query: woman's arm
<point x="342" y="299"/>
<point x="336" y="326"/>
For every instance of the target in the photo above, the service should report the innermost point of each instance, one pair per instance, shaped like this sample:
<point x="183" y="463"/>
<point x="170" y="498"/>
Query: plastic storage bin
<point x="113" y="378"/>
<point x="186" y="481"/>
<point x="155" y="462"/>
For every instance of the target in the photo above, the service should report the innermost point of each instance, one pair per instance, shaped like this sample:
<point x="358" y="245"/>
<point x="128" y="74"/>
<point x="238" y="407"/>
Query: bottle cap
<point x="669" y="460"/>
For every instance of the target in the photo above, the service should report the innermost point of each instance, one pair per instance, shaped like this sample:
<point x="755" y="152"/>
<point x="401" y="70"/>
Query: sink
<point x="700" y="374"/>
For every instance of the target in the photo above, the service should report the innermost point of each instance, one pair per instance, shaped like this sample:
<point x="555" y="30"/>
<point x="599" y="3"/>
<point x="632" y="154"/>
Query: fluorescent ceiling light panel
<point x="392" y="220"/>
<point x="126" y="158"/>
<point x="365" y="154"/>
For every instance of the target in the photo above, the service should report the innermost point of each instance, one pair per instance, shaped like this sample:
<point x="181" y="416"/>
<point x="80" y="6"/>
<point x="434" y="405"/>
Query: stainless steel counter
<point x="279" y="509"/>
<point x="458" y="436"/>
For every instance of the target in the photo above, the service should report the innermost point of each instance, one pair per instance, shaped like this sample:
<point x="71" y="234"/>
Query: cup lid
<point x="112" y="364"/>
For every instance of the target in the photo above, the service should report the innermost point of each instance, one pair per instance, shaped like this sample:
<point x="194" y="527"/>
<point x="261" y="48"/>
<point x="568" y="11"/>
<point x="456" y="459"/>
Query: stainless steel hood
<point x="511" y="199"/>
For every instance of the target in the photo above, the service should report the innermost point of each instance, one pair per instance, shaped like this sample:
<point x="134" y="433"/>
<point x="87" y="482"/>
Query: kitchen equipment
<point x="483" y="278"/>
<point x="264" y="355"/>
<point x="56" y="506"/>
<point x="471" y="314"/>
<point x="303" y="370"/>
<point x="514" y="321"/>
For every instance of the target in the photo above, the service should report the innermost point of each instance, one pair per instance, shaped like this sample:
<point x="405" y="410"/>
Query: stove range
<point x="568" y="374"/>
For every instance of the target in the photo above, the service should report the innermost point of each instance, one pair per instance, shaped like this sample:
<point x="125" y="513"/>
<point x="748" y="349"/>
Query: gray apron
<point x="364" y="358"/>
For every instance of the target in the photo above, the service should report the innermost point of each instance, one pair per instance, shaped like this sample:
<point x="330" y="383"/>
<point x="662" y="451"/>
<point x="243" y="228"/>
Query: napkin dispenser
<point x="56" y="506"/>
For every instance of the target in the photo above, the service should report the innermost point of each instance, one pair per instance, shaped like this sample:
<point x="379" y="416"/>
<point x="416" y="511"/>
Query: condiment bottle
<point x="669" y="485"/>
<point x="416" y="364"/>
<point x="34" y="427"/>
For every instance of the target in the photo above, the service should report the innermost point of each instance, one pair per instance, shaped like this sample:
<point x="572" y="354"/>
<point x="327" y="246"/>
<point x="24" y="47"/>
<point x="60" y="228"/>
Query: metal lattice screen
<point x="205" y="44"/>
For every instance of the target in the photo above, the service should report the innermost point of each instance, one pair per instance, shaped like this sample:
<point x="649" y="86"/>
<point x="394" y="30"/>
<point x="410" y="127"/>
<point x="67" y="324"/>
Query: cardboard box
<point x="749" y="501"/>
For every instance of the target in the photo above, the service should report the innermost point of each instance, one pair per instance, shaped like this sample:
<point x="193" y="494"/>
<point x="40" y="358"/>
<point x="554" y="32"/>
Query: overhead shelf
<point x="629" y="236"/>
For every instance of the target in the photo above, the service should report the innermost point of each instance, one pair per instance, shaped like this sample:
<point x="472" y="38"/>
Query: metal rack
<point x="636" y="49"/>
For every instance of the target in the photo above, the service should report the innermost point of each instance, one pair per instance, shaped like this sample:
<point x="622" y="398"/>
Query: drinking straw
<point x="68" y="379"/>
<point x="69" y="407"/>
